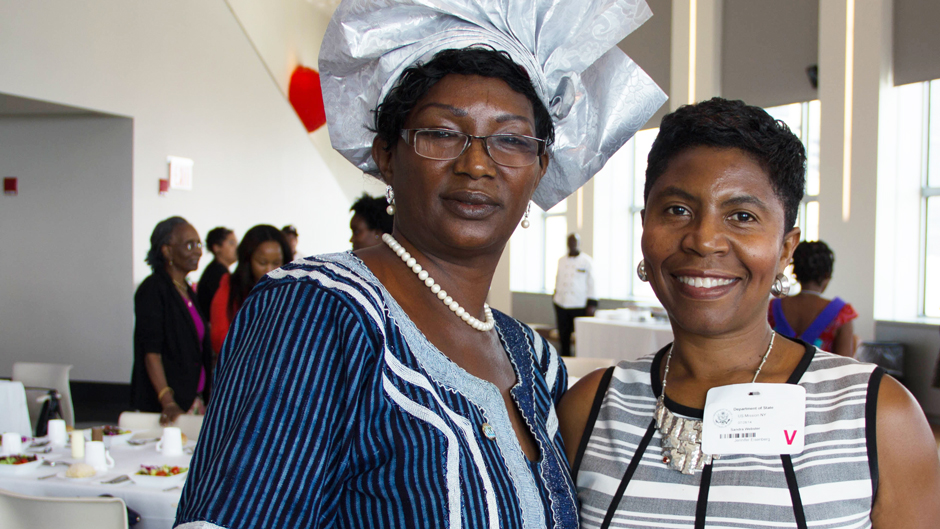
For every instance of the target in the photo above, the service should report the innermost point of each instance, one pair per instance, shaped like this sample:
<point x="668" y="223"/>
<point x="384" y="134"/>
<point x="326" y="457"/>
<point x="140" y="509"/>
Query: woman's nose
<point x="475" y="160"/>
<point x="705" y="236"/>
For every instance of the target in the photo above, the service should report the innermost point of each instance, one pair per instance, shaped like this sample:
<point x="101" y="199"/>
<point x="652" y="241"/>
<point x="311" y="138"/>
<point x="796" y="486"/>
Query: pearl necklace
<point x="681" y="440"/>
<point x="442" y="295"/>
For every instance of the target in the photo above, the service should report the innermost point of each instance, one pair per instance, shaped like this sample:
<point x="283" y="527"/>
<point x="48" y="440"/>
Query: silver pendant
<point x="681" y="440"/>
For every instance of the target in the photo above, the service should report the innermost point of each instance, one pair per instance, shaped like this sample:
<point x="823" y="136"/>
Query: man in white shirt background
<point x="574" y="291"/>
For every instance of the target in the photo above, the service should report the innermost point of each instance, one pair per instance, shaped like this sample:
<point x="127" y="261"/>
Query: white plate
<point x="117" y="440"/>
<point x="23" y="468"/>
<point x="159" y="481"/>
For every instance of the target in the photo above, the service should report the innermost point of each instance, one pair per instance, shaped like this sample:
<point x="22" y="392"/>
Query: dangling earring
<point x="781" y="286"/>
<point x="641" y="271"/>
<point x="525" y="218"/>
<point x="390" y="197"/>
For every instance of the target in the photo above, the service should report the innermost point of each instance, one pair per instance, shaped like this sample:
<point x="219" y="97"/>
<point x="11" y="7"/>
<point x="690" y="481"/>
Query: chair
<point x="579" y="367"/>
<point x="139" y="420"/>
<point x="888" y="355"/>
<point x="36" y="512"/>
<point x="51" y="376"/>
<point x="190" y="425"/>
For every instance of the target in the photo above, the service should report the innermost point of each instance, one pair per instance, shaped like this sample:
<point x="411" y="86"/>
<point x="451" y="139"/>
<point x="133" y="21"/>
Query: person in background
<point x="818" y="321"/>
<point x="262" y="249"/>
<point x="172" y="353"/>
<point x="222" y="243"/>
<point x="369" y="221"/>
<point x="574" y="291"/>
<point x="290" y="233"/>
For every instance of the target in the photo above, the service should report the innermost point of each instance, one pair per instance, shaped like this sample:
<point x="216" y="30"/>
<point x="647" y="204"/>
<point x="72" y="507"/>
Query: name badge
<point x="754" y="419"/>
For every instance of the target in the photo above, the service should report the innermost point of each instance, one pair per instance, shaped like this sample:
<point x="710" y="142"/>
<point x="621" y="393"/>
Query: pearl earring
<point x="390" y="197"/>
<point x="525" y="218"/>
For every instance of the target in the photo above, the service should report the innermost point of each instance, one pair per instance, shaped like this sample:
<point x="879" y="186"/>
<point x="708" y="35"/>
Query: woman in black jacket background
<point x="172" y="353"/>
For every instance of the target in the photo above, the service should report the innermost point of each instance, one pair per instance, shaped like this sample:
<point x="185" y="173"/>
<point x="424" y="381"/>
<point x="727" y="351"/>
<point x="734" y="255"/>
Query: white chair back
<point x="139" y="420"/>
<point x="35" y="512"/>
<point x="191" y="425"/>
<point x="578" y="367"/>
<point x="40" y="375"/>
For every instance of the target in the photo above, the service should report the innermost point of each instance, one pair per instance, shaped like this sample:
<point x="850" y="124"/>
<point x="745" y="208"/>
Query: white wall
<point x="65" y="263"/>
<point x="194" y="86"/>
<point x="287" y="34"/>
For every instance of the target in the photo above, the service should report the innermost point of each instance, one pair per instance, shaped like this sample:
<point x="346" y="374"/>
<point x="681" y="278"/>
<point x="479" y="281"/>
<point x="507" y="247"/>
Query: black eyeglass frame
<point x="409" y="140"/>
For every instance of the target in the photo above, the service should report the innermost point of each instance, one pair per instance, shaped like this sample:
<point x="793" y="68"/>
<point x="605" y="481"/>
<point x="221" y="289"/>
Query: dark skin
<point x="181" y="255"/>
<point x="802" y="309"/>
<point x="455" y="217"/>
<point x="712" y="214"/>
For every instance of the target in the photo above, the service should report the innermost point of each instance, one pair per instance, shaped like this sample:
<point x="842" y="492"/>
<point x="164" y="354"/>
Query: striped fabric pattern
<point x="332" y="410"/>
<point x="832" y="474"/>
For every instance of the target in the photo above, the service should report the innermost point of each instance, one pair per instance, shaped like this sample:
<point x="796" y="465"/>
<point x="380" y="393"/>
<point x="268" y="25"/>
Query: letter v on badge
<point x="754" y="419"/>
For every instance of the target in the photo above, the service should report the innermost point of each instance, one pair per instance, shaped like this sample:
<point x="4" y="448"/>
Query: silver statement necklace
<point x="460" y="312"/>
<point x="682" y="437"/>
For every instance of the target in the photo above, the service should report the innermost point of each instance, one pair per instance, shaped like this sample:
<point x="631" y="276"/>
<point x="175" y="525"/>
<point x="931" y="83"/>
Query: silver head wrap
<point x="597" y="97"/>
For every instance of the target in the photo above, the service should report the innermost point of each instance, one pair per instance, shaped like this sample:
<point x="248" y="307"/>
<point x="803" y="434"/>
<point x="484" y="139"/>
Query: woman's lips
<point x="704" y="287"/>
<point x="472" y="205"/>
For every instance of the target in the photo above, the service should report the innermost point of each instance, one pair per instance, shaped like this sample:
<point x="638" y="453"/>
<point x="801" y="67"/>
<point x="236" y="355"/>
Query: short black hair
<point x="241" y="281"/>
<point x="812" y="262"/>
<point x="289" y="230"/>
<point x="417" y="80"/>
<point x="159" y="238"/>
<point x="372" y="210"/>
<point x="217" y="236"/>
<point x="723" y="123"/>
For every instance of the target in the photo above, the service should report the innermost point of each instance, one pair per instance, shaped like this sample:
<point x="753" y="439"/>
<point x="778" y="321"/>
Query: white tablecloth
<point x="14" y="415"/>
<point x="618" y="339"/>
<point x="157" y="507"/>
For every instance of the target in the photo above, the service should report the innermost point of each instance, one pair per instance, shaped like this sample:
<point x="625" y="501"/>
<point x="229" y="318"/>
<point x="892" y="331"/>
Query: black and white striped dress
<point x="830" y="484"/>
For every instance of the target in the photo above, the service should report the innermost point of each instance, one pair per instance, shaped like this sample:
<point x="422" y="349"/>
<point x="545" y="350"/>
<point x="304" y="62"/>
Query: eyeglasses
<point x="510" y="150"/>
<point x="190" y="246"/>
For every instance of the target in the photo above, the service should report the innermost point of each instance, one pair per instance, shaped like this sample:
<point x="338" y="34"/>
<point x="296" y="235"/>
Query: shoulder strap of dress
<point x="811" y="334"/>
<point x="781" y="324"/>
<point x="592" y="418"/>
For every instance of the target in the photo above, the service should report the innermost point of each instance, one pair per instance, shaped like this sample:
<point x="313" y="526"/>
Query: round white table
<point x="157" y="507"/>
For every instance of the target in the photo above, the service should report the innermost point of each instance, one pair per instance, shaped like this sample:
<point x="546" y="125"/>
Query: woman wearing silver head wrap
<point x="377" y="388"/>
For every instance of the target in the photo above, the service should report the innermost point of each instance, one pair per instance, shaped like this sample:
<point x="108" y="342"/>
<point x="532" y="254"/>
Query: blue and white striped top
<point x="332" y="409"/>
<point x="831" y="484"/>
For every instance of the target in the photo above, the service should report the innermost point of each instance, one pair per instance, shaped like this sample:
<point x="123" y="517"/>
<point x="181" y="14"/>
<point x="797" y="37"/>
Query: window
<point x="534" y="252"/>
<point x="804" y="121"/>
<point x="618" y="200"/>
<point x="930" y="204"/>
<point x="908" y="216"/>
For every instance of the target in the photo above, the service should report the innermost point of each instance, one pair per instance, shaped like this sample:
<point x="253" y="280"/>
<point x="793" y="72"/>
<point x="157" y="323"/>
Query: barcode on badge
<point x="738" y="435"/>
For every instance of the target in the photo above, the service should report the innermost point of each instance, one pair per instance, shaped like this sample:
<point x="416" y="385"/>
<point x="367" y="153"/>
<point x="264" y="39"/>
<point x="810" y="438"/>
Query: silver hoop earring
<point x="390" y="197"/>
<point x="525" y="218"/>
<point x="781" y="286"/>
<point x="641" y="271"/>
